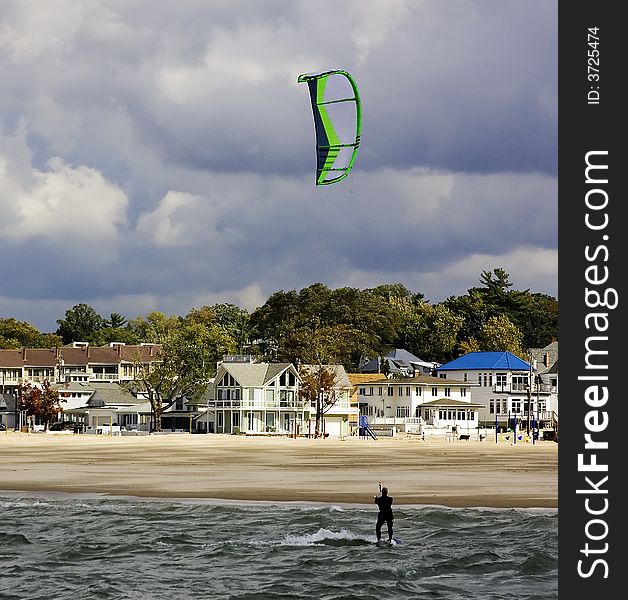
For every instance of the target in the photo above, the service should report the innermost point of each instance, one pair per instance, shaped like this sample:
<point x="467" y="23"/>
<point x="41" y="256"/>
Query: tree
<point x="116" y="321"/>
<point x="317" y="386"/>
<point x="232" y="319"/>
<point x="432" y="331"/>
<point x="81" y="324"/>
<point x="40" y="402"/>
<point x="184" y="368"/>
<point x="500" y="334"/>
<point x="496" y="283"/>
<point x="20" y="334"/>
<point x="155" y="327"/>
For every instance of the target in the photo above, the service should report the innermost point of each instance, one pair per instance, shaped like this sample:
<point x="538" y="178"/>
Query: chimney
<point x="24" y="354"/>
<point x="150" y="350"/>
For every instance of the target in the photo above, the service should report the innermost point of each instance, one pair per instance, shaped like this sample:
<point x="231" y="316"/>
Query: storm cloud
<point x="158" y="157"/>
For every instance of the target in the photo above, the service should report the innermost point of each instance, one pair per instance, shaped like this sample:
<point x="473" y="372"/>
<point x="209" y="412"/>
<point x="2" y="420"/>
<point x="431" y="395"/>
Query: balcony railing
<point x="104" y="376"/>
<point x="509" y="388"/>
<point x="257" y="404"/>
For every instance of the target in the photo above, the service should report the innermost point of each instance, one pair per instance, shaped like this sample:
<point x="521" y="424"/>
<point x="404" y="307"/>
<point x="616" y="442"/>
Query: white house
<point x="421" y="404"/>
<point x="252" y="397"/>
<point x="505" y="387"/>
<point x="263" y="398"/>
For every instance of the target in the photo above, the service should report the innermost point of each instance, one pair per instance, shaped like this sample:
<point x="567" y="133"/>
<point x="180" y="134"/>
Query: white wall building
<point x="506" y="388"/>
<point x="422" y="404"/>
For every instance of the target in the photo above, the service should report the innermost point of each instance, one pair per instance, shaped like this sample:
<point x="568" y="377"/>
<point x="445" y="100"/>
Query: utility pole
<point x="529" y="393"/>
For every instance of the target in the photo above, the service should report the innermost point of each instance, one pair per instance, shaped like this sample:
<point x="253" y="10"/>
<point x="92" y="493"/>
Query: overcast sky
<point x="160" y="156"/>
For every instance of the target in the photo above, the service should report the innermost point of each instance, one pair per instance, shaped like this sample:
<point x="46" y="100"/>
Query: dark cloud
<point x="158" y="157"/>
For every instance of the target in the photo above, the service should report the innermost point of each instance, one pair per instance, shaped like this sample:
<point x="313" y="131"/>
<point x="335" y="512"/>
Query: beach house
<point x="265" y="398"/>
<point x="506" y="388"/>
<point x="422" y="405"/>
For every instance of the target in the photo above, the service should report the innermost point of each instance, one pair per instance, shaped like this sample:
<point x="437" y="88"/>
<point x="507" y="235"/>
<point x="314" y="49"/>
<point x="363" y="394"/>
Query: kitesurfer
<point x="385" y="514"/>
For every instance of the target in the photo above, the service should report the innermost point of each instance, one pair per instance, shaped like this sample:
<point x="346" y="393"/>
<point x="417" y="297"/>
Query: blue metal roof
<point x="486" y="360"/>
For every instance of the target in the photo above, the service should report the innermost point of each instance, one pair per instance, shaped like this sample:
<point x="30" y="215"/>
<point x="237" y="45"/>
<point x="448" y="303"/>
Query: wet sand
<point x="464" y="473"/>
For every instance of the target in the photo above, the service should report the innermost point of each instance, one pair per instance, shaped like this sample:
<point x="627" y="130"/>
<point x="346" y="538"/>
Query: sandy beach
<point x="455" y="474"/>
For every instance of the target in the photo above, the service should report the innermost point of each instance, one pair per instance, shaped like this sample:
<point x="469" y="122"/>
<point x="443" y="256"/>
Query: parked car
<point x="62" y="426"/>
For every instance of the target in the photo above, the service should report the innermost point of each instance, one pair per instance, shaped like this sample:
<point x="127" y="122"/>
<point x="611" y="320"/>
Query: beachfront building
<point x="264" y="398"/>
<point x="422" y="405"/>
<point x="254" y="398"/>
<point x="505" y="386"/>
<point x="99" y="407"/>
<point x="116" y="362"/>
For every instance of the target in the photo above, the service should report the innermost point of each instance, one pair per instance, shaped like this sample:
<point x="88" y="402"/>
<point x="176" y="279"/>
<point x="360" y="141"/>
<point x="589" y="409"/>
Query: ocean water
<point x="57" y="547"/>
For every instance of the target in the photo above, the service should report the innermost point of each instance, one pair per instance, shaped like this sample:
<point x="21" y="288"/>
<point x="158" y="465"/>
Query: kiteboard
<point x="393" y="542"/>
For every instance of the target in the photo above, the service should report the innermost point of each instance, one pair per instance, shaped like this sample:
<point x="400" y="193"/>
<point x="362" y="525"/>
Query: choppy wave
<point x="86" y="548"/>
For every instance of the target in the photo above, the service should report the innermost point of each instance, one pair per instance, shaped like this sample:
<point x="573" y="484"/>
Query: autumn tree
<point x="318" y="388"/>
<point x="40" y="402"/>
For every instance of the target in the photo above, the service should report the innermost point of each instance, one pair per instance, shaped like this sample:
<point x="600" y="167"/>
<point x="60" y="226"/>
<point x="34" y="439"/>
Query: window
<point x="362" y="391"/>
<point x="220" y="419"/>
<point x="407" y="391"/>
<point x="463" y="392"/>
<point x="380" y="390"/>
<point x="504" y="407"/>
<point x="235" y="419"/>
<point x="519" y="383"/>
<point x="491" y="406"/>
<point x="418" y="391"/>
<point x="447" y="392"/>
<point x="390" y="391"/>
<point x="516" y="406"/>
<point x="500" y="381"/>
<point x="399" y="391"/>
<point x="434" y="391"/>
<point x="465" y="378"/>
<point x="403" y="411"/>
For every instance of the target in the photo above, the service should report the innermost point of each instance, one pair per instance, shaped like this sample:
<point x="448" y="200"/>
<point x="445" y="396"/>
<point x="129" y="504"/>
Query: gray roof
<point x="7" y="403"/>
<point x="546" y="356"/>
<point x="398" y="360"/>
<point x="253" y="374"/>
<point x="108" y="393"/>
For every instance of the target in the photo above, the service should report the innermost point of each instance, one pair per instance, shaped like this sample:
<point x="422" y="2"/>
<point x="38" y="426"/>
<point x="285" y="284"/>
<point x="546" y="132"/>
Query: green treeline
<point x="318" y="324"/>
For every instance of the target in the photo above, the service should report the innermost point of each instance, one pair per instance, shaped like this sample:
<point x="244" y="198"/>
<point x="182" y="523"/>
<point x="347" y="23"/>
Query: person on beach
<point x="385" y="514"/>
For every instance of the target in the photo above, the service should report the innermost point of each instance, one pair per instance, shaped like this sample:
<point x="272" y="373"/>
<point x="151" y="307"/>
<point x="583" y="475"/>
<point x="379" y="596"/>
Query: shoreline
<point x="249" y="470"/>
<point x="287" y="504"/>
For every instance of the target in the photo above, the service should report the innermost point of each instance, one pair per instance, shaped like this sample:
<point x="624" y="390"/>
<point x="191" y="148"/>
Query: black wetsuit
<point x="385" y="515"/>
